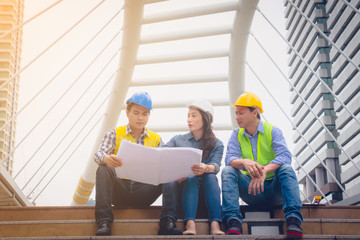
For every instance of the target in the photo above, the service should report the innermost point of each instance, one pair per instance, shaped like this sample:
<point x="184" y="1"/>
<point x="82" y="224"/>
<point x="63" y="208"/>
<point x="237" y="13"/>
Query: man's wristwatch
<point x="207" y="169"/>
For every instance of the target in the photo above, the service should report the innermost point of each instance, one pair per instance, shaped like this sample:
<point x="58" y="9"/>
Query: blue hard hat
<point x="142" y="99"/>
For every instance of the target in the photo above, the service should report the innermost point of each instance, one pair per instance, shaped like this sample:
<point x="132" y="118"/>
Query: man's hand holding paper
<point x="156" y="165"/>
<point x="112" y="161"/>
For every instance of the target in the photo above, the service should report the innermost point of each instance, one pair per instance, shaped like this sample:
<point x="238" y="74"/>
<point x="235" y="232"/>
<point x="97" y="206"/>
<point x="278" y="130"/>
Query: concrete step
<point x="121" y="227"/>
<point x="197" y="237"/>
<point x="153" y="212"/>
<point x="316" y="211"/>
<point x="82" y="212"/>
<point x="340" y="222"/>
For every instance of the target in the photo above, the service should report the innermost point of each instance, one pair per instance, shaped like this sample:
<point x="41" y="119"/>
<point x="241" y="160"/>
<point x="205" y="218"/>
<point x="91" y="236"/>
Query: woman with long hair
<point x="201" y="136"/>
<point x="200" y="117"/>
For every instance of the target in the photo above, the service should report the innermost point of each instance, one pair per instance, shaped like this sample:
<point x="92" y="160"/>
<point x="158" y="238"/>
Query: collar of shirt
<point x="128" y="130"/>
<point x="260" y="128"/>
<point x="190" y="136"/>
<point x="254" y="138"/>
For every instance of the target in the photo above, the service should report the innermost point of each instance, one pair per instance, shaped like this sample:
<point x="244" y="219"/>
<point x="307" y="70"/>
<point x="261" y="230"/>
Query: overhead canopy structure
<point x="133" y="21"/>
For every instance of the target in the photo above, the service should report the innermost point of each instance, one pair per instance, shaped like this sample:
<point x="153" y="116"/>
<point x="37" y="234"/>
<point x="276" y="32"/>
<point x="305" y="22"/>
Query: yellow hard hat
<point x="248" y="99"/>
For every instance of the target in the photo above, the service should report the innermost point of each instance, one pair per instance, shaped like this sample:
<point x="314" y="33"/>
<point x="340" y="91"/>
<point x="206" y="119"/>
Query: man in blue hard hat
<point x="111" y="190"/>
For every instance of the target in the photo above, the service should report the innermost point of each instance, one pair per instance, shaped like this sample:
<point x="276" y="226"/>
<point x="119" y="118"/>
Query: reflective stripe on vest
<point x="265" y="152"/>
<point x="152" y="140"/>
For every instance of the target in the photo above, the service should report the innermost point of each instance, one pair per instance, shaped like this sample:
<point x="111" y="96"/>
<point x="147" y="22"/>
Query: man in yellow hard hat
<point x="258" y="169"/>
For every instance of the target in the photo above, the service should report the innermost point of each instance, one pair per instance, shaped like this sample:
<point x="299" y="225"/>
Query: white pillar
<point x="133" y="15"/>
<point x="309" y="187"/>
<point x="331" y="165"/>
<point x="320" y="176"/>
<point x="237" y="53"/>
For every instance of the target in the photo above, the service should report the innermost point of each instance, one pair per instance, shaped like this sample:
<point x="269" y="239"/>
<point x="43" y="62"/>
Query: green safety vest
<point x="265" y="152"/>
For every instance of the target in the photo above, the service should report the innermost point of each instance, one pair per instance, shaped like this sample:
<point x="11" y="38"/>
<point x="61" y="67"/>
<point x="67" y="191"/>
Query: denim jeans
<point x="111" y="190"/>
<point x="282" y="189"/>
<point x="212" y="196"/>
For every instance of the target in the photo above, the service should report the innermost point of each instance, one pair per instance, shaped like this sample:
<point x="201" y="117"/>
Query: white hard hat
<point x="203" y="105"/>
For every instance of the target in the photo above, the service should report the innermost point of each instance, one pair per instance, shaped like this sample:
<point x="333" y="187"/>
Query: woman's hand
<point x="112" y="161"/>
<point x="199" y="169"/>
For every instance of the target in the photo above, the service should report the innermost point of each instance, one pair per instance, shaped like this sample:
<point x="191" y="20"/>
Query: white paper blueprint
<point x="156" y="165"/>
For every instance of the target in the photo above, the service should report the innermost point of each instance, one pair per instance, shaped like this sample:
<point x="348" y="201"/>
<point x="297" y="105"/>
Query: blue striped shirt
<point x="278" y="144"/>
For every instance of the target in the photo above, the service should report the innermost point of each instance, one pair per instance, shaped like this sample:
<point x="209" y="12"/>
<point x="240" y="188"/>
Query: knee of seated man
<point x="228" y="170"/>
<point x="102" y="169"/>
<point x="285" y="169"/>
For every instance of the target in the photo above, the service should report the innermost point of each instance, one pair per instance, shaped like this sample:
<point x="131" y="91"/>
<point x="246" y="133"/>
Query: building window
<point x="331" y="127"/>
<point x="328" y="81"/>
<point x="3" y="94"/>
<point x="325" y="65"/>
<point x="319" y="35"/>
<point x="324" y="50"/>
<point x="331" y="144"/>
<point x="320" y="6"/>
<point x="3" y="104"/>
<point x="328" y="96"/>
<point x="329" y="112"/>
<point x="321" y="20"/>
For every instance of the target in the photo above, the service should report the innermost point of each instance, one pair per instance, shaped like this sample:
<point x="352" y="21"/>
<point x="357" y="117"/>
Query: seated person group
<point x="257" y="169"/>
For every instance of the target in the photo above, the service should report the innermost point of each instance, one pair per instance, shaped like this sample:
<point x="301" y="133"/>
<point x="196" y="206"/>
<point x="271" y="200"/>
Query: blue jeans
<point x="212" y="196"/>
<point x="111" y="190"/>
<point x="282" y="189"/>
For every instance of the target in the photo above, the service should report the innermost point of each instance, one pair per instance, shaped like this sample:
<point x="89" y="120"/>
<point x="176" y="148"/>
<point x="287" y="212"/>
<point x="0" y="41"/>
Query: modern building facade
<point x="11" y="15"/>
<point x="325" y="82"/>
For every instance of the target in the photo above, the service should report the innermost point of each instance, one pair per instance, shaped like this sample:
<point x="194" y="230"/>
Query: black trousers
<point x="111" y="190"/>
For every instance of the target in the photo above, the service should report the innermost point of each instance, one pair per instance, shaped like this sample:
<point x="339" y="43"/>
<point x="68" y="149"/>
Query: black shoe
<point x="104" y="228"/>
<point x="234" y="227"/>
<point x="293" y="228"/>
<point x="168" y="226"/>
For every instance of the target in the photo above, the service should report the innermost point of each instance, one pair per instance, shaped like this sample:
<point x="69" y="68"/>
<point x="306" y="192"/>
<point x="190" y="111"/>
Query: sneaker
<point x="293" y="228"/>
<point x="234" y="227"/>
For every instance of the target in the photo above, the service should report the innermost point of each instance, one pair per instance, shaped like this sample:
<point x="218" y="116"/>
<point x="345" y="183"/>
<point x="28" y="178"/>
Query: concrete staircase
<point x="321" y="222"/>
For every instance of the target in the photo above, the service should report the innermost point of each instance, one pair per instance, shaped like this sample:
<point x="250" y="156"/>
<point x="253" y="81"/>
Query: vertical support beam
<point x="320" y="176"/>
<point x="133" y="15"/>
<point x="309" y="187"/>
<point x="237" y="53"/>
<point x="331" y="164"/>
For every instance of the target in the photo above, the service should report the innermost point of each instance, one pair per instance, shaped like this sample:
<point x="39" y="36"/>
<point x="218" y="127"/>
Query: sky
<point x="56" y="139"/>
